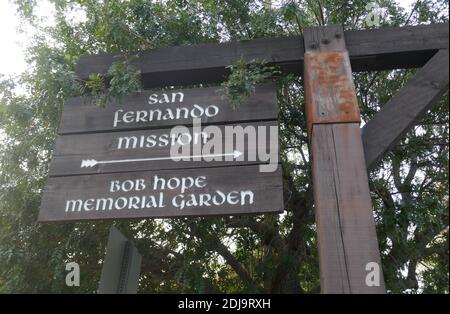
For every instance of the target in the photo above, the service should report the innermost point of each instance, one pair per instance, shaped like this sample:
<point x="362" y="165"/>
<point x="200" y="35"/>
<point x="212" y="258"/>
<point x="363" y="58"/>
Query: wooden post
<point x="348" y="248"/>
<point x="121" y="267"/>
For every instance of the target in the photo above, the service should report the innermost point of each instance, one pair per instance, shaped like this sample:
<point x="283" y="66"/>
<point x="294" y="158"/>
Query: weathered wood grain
<point x="405" y="108"/>
<point x="203" y="63"/>
<point x="80" y="115"/>
<point x="328" y="78"/>
<point x="266" y="187"/>
<point x="390" y="48"/>
<point x="320" y="39"/>
<point x="378" y="49"/>
<point x="71" y="150"/>
<point x="345" y="225"/>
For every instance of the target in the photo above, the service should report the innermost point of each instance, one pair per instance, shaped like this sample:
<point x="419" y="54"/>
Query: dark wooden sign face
<point x="157" y="109"/>
<point x="119" y="161"/>
<point x="109" y="151"/>
<point x="166" y="193"/>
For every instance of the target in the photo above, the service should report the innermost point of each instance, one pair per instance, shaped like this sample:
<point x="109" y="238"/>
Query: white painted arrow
<point x="89" y="163"/>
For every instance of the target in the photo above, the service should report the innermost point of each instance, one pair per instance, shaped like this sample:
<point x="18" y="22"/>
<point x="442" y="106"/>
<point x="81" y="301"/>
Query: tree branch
<point x="215" y="244"/>
<point x="269" y="235"/>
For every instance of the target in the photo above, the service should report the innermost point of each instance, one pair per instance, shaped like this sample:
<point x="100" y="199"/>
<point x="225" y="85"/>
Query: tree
<point x="270" y="253"/>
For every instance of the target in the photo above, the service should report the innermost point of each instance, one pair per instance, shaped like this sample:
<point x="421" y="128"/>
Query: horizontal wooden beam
<point x="204" y="63"/>
<point x="376" y="49"/>
<point x="403" y="110"/>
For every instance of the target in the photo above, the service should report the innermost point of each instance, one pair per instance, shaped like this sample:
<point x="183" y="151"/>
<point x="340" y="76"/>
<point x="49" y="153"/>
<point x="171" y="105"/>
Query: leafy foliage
<point x="244" y="77"/>
<point x="270" y="253"/>
<point x="125" y="80"/>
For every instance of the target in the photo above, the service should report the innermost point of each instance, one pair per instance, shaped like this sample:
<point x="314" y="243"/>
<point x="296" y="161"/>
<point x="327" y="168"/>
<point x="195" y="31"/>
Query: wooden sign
<point x="156" y="109"/>
<point x="150" y="149"/>
<point x="166" y="193"/>
<point x="148" y="157"/>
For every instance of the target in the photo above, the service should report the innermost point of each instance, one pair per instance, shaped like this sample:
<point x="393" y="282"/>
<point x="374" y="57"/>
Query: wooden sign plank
<point x="165" y="108"/>
<point x="151" y="149"/>
<point x="187" y="192"/>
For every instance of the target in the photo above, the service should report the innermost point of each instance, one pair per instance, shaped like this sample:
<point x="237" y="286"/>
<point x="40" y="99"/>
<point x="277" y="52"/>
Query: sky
<point x="14" y="43"/>
<point x="11" y="54"/>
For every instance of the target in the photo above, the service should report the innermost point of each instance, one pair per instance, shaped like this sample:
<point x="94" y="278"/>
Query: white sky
<point x="11" y="54"/>
<point x="13" y="42"/>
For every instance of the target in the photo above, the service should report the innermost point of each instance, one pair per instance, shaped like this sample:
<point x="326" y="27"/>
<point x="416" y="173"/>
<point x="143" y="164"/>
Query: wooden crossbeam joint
<point x="329" y="87"/>
<point x="330" y="91"/>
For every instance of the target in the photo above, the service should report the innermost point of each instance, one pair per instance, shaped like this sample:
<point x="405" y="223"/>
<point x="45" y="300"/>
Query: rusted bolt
<point x="325" y="41"/>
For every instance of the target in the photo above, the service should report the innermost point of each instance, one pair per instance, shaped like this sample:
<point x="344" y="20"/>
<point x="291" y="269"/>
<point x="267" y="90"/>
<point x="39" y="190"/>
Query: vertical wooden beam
<point x="121" y="267"/>
<point x="345" y="223"/>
